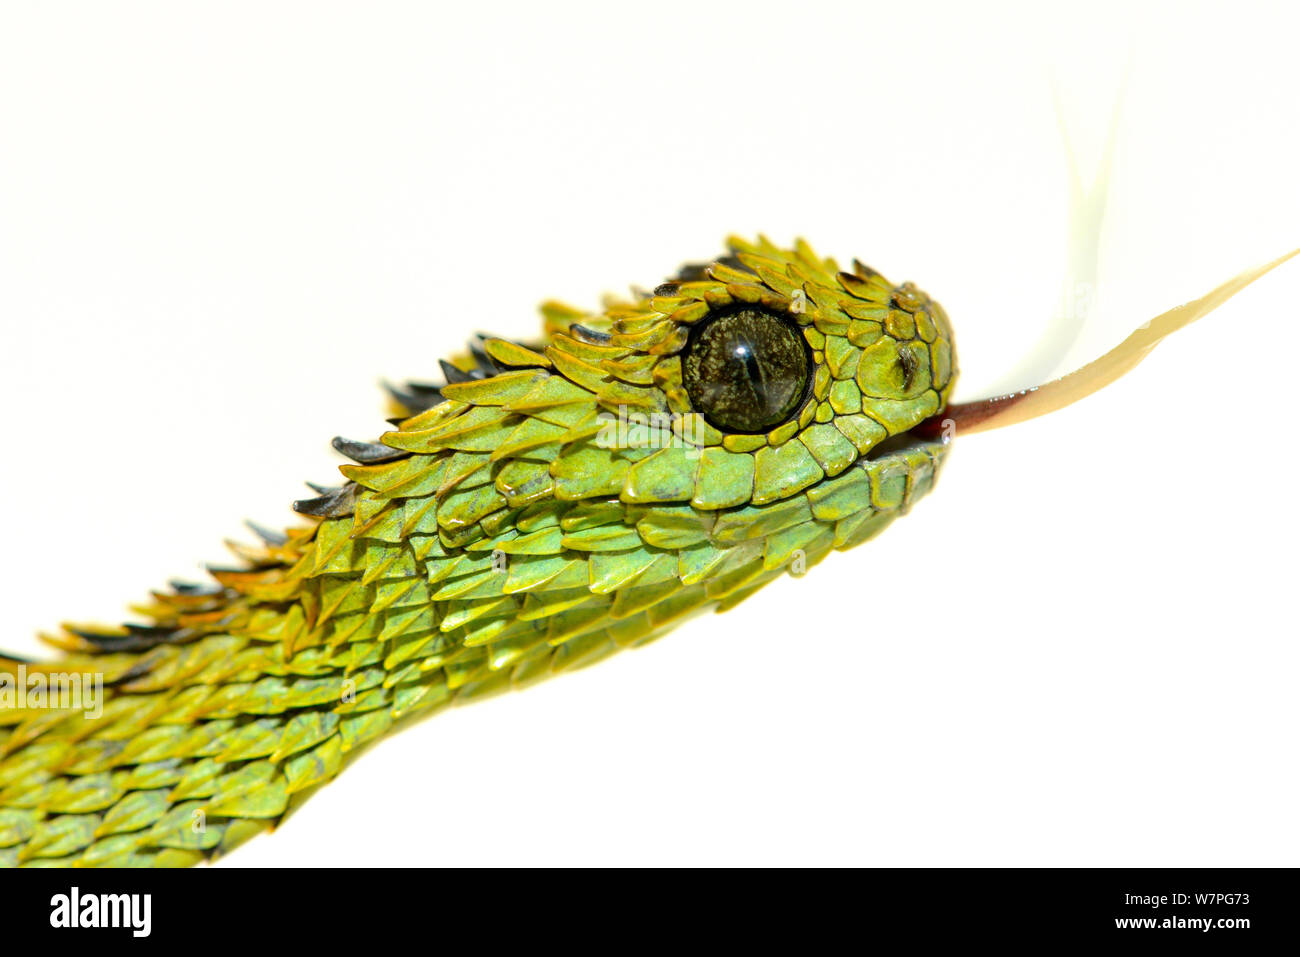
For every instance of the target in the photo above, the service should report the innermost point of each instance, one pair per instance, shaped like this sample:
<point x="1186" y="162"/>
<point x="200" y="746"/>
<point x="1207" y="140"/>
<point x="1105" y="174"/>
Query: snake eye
<point x="746" y="370"/>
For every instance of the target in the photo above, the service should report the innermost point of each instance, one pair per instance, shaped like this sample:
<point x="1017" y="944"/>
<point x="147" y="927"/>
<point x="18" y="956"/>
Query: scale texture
<point x="548" y="505"/>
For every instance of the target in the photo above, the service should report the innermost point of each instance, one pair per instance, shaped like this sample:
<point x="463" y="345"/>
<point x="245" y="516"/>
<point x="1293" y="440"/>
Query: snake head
<point x="773" y="369"/>
<point x="762" y="389"/>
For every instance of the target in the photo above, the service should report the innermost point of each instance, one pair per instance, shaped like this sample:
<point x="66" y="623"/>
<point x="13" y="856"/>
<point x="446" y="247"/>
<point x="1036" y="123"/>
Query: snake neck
<point x="432" y="578"/>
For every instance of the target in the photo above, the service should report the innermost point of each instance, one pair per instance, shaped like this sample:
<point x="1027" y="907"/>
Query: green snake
<point x="548" y="505"/>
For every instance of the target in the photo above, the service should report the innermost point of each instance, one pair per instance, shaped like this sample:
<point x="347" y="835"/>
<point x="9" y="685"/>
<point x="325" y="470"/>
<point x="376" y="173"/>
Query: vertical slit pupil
<point x="746" y="370"/>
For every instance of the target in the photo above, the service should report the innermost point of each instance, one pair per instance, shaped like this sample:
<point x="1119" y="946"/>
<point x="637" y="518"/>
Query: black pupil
<point x="746" y="370"/>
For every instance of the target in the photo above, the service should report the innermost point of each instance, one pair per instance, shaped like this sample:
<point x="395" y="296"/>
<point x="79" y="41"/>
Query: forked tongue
<point x="995" y="412"/>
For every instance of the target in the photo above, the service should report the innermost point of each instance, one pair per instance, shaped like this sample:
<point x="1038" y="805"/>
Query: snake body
<point x="495" y="537"/>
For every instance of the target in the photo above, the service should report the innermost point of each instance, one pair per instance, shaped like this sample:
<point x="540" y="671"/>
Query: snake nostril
<point x="907" y="362"/>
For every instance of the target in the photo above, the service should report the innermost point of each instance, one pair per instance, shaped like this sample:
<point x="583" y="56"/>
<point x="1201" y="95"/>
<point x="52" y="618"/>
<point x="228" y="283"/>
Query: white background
<point x="220" y="226"/>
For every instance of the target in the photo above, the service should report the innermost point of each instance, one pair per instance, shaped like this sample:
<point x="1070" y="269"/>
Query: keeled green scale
<point x="547" y="507"/>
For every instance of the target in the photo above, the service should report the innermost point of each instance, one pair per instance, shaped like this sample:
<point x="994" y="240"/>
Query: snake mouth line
<point x="927" y="433"/>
